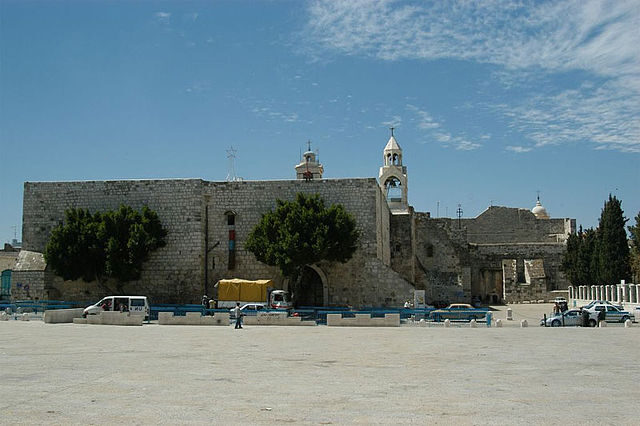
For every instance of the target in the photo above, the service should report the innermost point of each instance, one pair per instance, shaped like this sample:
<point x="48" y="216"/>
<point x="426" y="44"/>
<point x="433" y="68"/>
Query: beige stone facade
<point x="399" y="251"/>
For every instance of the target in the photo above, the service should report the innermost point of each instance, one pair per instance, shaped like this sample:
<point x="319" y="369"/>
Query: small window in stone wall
<point x="429" y="250"/>
<point x="398" y="248"/>
<point x="520" y="271"/>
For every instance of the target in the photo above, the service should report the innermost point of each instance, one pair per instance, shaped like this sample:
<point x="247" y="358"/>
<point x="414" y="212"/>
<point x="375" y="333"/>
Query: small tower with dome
<point x="539" y="211"/>
<point x="309" y="168"/>
<point x="393" y="176"/>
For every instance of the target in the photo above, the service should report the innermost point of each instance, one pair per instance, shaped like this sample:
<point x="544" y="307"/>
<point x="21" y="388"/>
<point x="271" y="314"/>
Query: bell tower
<point x="393" y="176"/>
<point x="309" y="168"/>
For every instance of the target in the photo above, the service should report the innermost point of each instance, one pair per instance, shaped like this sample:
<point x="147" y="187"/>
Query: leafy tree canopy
<point x="100" y="246"/>
<point x="303" y="232"/>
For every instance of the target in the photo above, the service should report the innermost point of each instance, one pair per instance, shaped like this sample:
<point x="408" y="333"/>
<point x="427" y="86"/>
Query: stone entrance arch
<point x="314" y="289"/>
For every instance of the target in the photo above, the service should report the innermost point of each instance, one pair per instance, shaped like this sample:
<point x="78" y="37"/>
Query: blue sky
<point x="492" y="101"/>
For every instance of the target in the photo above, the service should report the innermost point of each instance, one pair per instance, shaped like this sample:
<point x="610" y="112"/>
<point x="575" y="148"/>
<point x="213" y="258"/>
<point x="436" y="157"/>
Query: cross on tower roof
<point x="391" y="130"/>
<point x="308" y="145"/>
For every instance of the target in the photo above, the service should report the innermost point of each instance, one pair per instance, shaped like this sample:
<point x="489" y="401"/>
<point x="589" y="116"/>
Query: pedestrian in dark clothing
<point x="602" y="315"/>
<point x="585" y="318"/>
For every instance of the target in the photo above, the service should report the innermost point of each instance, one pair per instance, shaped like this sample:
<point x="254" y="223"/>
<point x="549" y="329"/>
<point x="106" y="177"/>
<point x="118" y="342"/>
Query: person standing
<point x="238" y="314"/>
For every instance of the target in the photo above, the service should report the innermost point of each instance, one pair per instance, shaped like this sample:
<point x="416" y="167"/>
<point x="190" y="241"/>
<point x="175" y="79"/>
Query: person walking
<point x="238" y="314"/>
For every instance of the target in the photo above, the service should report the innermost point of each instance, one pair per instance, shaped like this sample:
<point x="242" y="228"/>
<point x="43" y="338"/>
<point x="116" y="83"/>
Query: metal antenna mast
<point x="231" y="155"/>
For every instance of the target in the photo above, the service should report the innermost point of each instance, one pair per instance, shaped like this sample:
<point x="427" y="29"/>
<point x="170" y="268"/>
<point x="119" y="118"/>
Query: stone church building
<point x="504" y="254"/>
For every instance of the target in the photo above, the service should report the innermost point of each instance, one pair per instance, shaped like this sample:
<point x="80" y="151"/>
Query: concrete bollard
<point x="447" y="323"/>
<point x="627" y="323"/>
<point x="473" y="323"/>
<point x="24" y="317"/>
<point x="509" y="314"/>
<point x="524" y="323"/>
<point x="498" y="322"/>
<point x="602" y="324"/>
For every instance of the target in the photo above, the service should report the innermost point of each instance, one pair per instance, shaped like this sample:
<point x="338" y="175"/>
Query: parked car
<point x="135" y="305"/>
<point x="600" y="302"/>
<point x="568" y="318"/>
<point x="613" y="313"/>
<point x="458" y="311"/>
<point x="250" y="309"/>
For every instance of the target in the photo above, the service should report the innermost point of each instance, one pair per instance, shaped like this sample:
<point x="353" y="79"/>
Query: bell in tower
<point x="393" y="176"/>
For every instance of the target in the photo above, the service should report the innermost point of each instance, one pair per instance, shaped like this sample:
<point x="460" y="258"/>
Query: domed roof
<point x="539" y="211"/>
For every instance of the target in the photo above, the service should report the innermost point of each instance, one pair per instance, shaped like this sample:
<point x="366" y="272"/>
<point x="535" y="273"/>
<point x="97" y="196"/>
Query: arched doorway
<point x="312" y="288"/>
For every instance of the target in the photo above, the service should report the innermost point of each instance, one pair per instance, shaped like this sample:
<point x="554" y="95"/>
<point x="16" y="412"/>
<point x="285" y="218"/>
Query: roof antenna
<point x="231" y="155"/>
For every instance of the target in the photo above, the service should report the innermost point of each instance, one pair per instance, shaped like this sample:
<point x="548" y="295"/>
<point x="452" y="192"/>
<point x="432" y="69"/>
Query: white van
<point x="136" y="305"/>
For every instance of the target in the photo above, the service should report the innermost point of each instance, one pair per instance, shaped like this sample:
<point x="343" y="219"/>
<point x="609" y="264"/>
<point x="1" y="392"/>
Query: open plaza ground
<point x="92" y="374"/>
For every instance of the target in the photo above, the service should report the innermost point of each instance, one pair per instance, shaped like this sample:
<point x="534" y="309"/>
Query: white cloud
<point x="518" y="149"/>
<point x="434" y="130"/>
<point x="525" y="38"/>
<point x="270" y="114"/>
<point x="395" y="121"/>
<point x="426" y="122"/>
<point x="163" y="17"/>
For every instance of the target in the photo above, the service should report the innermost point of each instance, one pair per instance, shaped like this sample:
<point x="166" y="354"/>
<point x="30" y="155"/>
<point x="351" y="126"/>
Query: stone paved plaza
<point x="91" y="374"/>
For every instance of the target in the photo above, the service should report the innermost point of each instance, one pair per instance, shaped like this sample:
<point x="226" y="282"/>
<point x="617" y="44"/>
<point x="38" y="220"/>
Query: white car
<point x="600" y="302"/>
<point x="612" y="313"/>
<point x="135" y="305"/>
<point x="566" y="318"/>
<point x="250" y="309"/>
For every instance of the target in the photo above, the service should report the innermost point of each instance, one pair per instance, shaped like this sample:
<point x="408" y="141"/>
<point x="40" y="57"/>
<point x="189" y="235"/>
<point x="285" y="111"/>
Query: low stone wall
<point x="54" y="316"/>
<point x="275" y="318"/>
<point x="111" y="318"/>
<point x="193" y="318"/>
<point x="363" y="320"/>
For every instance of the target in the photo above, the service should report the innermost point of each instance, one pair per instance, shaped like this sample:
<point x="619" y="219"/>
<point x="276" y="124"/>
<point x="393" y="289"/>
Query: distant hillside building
<point x="505" y="254"/>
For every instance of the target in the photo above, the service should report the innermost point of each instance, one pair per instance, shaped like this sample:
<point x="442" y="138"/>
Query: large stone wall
<point x="460" y="260"/>
<point x="364" y="280"/>
<point x="513" y="225"/>
<point x="442" y="259"/>
<point x="250" y="200"/>
<point x="175" y="273"/>
<point x="490" y="256"/>
<point x="453" y="260"/>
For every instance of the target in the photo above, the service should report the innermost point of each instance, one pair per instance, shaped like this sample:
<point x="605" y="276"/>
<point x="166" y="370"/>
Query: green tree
<point x="635" y="248"/>
<point x="570" y="258"/>
<point x="612" y="246"/>
<point x="103" y="246"/>
<point x="587" y="260"/>
<point x="579" y="262"/>
<point x="303" y="232"/>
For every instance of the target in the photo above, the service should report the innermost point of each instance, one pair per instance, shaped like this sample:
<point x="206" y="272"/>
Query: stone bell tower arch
<point x="393" y="176"/>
